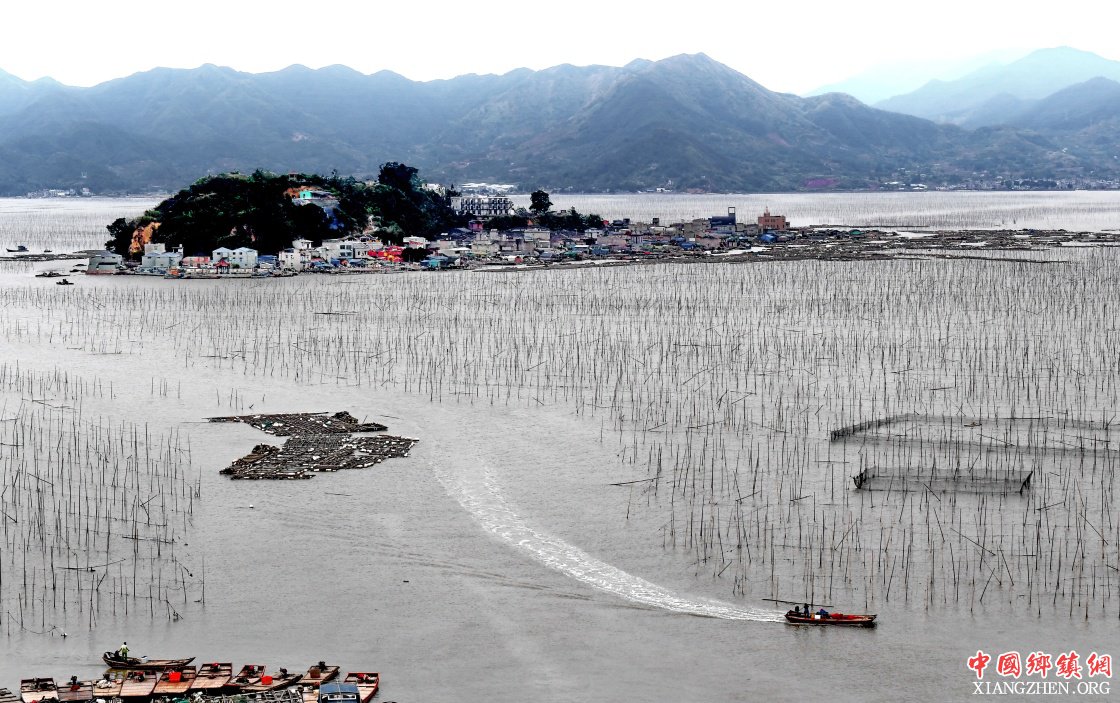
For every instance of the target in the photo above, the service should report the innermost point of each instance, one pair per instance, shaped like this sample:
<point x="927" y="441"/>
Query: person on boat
<point x="122" y="651"/>
<point x="74" y="685"/>
<point x="797" y="610"/>
<point x="823" y="613"/>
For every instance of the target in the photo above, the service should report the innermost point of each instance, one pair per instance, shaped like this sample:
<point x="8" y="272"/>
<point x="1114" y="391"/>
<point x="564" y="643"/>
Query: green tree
<point x="257" y="211"/>
<point x="120" y="233"/>
<point x="397" y="175"/>
<point x="540" y="203"/>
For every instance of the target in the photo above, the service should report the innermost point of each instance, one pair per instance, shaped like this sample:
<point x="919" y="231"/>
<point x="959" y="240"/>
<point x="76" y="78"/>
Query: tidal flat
<point x="617" y="468"/>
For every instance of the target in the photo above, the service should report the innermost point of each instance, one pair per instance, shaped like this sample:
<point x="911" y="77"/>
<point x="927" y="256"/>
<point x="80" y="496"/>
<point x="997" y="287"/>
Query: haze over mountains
<point x="999" y="93"/>
<point x="686" y="122"/>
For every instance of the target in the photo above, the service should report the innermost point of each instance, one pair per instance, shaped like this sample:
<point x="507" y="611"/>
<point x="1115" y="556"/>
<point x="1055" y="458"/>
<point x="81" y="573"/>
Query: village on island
<point x="478" y="231"/>
<point x="466" y="247"/>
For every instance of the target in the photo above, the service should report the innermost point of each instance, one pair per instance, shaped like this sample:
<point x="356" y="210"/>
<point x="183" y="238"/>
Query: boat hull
<point x="212" y="677"/>
<point x="133" y="664"/>
<point x="833" y="619"/>
<point x="31" y="690"/>
<point x="368" y="683"/>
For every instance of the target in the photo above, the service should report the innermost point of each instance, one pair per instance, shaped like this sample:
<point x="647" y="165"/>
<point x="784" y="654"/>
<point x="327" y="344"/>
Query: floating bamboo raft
<point x="289" y="424"/>
<point x="316" y="443"/>
<point x="303" y="456"/>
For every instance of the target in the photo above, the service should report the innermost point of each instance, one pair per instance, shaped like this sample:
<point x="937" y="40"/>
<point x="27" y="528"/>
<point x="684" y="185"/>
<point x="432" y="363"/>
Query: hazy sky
<point x="786" y="45"/>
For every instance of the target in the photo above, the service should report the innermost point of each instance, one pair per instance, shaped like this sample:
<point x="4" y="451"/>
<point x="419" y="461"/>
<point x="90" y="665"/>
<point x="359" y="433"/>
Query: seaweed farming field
<point x="63" y="224"/>
<point x="1075" y="211"/>
<point x="602" y="454"/>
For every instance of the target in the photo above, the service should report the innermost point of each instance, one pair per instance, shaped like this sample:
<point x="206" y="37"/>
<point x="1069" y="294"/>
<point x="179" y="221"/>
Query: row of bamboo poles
<point x="721" y="386"/>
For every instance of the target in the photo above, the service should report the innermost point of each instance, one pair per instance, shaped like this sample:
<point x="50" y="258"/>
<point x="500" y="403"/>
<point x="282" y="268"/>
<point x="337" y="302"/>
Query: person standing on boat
<point x="123" y="651"/>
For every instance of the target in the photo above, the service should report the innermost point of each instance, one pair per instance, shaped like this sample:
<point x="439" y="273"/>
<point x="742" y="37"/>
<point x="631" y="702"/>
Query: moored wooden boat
<point x="272" y="682"/>
<point x="7" y="696"/>
<point x="115" y="661"/>
<point x="75" y="691"/>
<point x="38" y="690"/>
<point x="212" y="677"/>
<point x="335" y="693"/>
<point x="320" y="673"/>
<point x="367" y="681"/>
<point x="175" y="682"/>
<point x="108" y="687"/>
<point x="841" y="619"/>
<point x="139" y="684"/>
<point x="249" y="674"/>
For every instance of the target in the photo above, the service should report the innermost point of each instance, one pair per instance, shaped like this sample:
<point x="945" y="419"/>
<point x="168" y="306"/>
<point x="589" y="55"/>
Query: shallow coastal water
<point x="497" y="562"/>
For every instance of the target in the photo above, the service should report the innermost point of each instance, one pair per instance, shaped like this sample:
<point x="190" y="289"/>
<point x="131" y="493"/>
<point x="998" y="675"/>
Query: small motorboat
<point x="319" y="674"/>
<point x="212" y="677"/>
<point x="799" y="618"/>
<point x="175" y="682"/>
<point x="75" y="691"/>
<point x="108" y="688"/>
<point x="48" y="274"/>
<point x="139" y="684"/>
<point x="18" y="250"/>
<point x="249" y="674"/>
<point x="64" y="282"/>
<point x="367" y="682"/>
<point x="31" y="690"/>
<point x="272" y="682"/>
<point x="116" y="661"/>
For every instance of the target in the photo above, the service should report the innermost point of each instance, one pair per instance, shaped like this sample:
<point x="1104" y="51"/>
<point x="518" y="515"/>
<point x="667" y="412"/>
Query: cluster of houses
<point x="158" y="261"/>
<point x="457" y="248"/>
<point x="620" y="237"/>
<point x="332" y="254"/>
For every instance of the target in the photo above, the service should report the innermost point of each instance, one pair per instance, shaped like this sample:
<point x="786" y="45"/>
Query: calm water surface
<point x="492" y="564"/>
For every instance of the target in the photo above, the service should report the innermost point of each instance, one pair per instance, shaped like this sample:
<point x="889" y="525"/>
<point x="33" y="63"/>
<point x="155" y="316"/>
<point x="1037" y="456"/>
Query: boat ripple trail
<point x="483" y="499"/>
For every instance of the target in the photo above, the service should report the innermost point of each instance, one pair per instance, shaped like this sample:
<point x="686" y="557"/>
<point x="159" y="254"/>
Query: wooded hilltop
<point x="265" y="211"/>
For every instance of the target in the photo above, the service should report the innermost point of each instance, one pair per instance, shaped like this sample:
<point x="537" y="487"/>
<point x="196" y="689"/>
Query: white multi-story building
<point x="295" y="259"/>
<point x="349" y="248"/>
<point x="162" y="260"/>
<point x="104" y="262"/>
<point x="483" y="205"/>
<point x="241" y="257"/>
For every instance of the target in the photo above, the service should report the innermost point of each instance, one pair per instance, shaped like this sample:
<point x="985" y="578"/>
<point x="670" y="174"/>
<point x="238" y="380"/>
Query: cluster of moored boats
<point x="135" y="680"/>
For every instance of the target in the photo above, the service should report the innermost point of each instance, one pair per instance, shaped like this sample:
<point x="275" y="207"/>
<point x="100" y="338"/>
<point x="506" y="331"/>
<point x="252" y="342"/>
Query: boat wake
<point x="482" y="498"/>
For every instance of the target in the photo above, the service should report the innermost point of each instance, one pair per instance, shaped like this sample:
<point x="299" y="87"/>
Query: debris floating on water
<point x="317" y="443"/>
<point x="289" y="424"/>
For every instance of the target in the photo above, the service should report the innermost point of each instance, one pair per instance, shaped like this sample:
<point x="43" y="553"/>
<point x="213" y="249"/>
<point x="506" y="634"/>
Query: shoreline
<point x="834" y="244"/>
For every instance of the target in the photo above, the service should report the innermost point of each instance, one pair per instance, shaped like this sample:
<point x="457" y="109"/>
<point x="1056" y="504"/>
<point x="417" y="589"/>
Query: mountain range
<point x="686" y="122"/>
<point x="1003" y="93"/>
